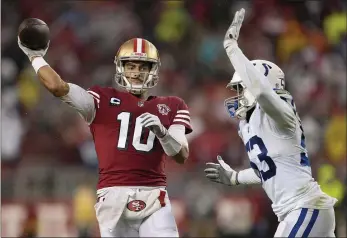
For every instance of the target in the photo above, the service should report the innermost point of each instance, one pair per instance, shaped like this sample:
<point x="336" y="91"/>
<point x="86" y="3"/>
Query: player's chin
<point x="136" y="82"/>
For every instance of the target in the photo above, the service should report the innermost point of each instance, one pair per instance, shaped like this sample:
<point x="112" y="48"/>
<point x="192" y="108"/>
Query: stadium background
<point x="48" y="163"/>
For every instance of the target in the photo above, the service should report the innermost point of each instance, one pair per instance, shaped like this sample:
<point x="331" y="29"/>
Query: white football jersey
<point x="280" y="157"/>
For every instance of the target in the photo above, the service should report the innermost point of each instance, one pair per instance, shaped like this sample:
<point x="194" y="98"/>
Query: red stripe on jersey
<point x="143" y="46"/>
<point x="135" y="45"/>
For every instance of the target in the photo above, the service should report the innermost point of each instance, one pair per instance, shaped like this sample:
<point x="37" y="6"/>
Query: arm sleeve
<point x="182" y="117"/>
<point x="248" y="176"/>
<point x="81" y="100"/>
<point x="278" y="110"/>
<point x="174" y="140"/>
<point x="178" y="132"/>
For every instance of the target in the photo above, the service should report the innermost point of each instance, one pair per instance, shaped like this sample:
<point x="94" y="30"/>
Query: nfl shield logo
<point x="163" y="109"/>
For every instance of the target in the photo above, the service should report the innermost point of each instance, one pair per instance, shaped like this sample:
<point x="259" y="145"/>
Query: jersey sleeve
<point x="82" y="101"/>
<point x="182" y="116"/>
<point x="271" y="103"/>
<point x="95" y="92"/>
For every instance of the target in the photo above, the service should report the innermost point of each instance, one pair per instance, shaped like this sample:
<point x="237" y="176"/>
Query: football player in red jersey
<point x="132" y="131"/>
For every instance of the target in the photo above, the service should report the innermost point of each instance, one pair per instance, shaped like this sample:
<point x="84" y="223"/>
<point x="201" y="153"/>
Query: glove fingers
<point x="145" y="119"/>
<point x="211" y="170"/>
<point x="215" y="180"/>
<point x="235" y="18"/>
<point x="213" y="165"/>
<point x="231" y="29"/>
<point x="212" y="175"/>
<point x="240" y="18"/>
<point x="223" y="164"/>
<point x="144" y="114"/>
<point x="149" y="123"/>
<point x="236" y="24"/>
<point x="242" y="13"/>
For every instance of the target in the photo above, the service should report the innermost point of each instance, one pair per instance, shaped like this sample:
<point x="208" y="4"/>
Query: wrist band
<point x="38" y="62"/>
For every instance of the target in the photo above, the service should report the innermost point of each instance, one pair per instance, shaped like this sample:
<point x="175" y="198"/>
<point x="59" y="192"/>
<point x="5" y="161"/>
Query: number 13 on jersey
<point x="263" y="157"/>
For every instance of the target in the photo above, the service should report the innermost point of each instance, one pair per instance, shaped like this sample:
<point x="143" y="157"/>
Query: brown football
<point x="34" y="34"/>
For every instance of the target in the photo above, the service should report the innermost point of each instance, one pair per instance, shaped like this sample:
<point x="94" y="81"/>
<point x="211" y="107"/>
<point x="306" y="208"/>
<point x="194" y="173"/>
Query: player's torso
<point x="129" y="154"/>
<point x="261" y="136"/>
<point x="281" y="160"/>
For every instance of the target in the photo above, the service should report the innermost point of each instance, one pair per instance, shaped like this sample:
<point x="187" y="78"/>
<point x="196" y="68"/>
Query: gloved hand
<point x="221" y="173"/>
<point x="232" y="34"/>
<point x="32" y="53"/>
<point x="153" y="123"/>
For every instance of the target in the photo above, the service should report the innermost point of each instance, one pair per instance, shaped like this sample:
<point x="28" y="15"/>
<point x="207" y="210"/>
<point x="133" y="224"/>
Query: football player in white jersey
<point x="274" y="139"/>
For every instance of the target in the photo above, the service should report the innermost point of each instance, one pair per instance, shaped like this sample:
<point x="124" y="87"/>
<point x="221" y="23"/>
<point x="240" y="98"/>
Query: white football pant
<point x="306" y="222"/>
<point x="160" y="224"/>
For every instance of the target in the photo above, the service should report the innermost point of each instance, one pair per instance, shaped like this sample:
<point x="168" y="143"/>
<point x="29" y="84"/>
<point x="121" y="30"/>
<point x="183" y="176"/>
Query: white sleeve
<point x="79" y="99"/>
<point x="174" y="140"/>
<point x="248" y="176"/>
<point x="178" y="132"/>
<point x="271" y="103"/>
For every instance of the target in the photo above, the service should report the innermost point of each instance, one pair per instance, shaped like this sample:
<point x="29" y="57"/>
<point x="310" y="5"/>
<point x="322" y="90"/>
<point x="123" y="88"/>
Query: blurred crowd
<point x="46" y="148"/>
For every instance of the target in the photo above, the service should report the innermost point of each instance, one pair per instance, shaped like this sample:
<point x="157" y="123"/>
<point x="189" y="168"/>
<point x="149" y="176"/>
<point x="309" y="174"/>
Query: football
<point x="34" y="34"/>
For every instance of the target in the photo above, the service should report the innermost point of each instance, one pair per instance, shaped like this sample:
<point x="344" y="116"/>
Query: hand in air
<point x="153" y="123"/>
<point x="221" y="172"/>
<point x="232" y="34"/>
<point x="32" y="53"/>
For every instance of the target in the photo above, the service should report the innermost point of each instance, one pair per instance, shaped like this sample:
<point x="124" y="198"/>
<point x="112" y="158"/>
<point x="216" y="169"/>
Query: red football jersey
<point x="128" y="154"/>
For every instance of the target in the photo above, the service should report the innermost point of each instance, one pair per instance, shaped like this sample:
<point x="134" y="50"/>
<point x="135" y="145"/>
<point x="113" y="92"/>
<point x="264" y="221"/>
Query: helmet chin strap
<point x="247" y="103"/>
<point x="241" y="113"/>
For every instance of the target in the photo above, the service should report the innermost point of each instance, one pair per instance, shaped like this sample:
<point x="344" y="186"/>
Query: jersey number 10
<point x="124" y="118"/>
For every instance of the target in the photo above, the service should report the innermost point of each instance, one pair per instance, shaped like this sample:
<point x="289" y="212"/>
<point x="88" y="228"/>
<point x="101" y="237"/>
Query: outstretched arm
<point x="223" y="173"/>
<point x="255" y="81"/>
<point x="75" y="96"/>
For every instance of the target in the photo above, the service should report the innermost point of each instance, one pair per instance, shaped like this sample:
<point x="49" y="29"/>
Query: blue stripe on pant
<point x="298" y="223"/>
<point x="311" y="223"/>
<point x="301" y="219"/>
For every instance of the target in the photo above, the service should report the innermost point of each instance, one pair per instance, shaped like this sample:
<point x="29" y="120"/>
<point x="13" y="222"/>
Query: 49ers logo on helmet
<point x="136" y="205"/>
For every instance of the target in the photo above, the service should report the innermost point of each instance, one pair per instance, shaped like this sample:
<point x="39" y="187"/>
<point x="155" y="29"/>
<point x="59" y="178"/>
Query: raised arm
<point x="256" y="82"/>
<point x="75" y="96"/>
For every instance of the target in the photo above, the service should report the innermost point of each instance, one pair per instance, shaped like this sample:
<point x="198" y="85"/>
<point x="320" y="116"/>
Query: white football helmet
<point x="238" y="105"/>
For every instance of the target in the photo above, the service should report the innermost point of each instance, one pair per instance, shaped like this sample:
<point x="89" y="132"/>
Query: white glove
<point x="153" y="123"/>
<point x="232" y="35"/>
<point x="221" y="173"/>
<point x="32" y="53"/>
